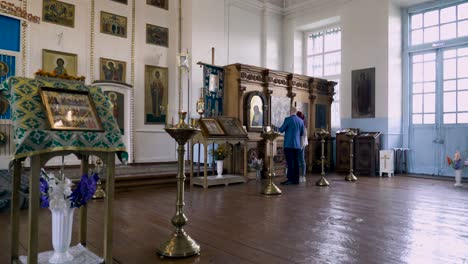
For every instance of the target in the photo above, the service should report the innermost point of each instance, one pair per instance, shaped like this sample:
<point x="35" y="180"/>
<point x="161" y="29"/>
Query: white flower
<point x="59" y="191"/>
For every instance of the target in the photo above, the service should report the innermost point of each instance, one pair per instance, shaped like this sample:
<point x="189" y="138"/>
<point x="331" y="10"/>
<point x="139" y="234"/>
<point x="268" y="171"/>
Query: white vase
<point x="219" y="168"/>
<point x="62" y="222"/>
<point x="259" y="175"/>
<point x="458" y="177"/>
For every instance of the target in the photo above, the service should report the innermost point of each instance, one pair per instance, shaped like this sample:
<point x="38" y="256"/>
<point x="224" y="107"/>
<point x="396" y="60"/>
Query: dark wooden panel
<point x="366" y="153"/>
<point x="342" y="152"/>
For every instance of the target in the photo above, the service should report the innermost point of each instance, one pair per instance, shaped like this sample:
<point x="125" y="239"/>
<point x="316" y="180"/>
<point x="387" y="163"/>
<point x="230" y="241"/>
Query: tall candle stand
<point x="351" y="177"/>
<point x="271" y="188"/>
<point x="180" y="244"/>
<point x="323" y="182"/>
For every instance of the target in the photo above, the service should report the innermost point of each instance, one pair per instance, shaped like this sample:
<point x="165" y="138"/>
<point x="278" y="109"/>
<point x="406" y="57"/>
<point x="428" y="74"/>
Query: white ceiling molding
<point x="294" y="8"/>
<point x="257" y="6"/>
<point x="278" y="3"/>
<point x="251" y="4"/>
<point x="311" y="6"/>
<point x="291" y="6"/>
<point x="274" y="9"/>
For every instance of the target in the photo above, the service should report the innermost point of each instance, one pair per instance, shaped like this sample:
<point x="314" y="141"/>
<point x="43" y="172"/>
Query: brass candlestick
<point x="271" y="188"/>
<point x="351" y="177"/>
<point x="180" y="244"/>
<point x="99" y="193"/>
<point x="201" y="106"/>
<point x="323" y="182"/>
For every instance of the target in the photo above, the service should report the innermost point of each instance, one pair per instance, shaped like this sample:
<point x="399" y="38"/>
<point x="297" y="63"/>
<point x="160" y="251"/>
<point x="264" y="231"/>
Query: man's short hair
<point x="293" y="110"/>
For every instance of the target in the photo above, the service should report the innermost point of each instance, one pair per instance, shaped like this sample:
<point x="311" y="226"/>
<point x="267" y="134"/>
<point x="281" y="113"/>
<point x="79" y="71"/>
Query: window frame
<point x="306" y="34"/>
<point x="306" y="55"/>
<point x="409" y="50"/>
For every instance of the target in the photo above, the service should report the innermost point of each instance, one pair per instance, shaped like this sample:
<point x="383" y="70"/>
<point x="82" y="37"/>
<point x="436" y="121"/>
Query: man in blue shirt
<point x="293" y="127"/>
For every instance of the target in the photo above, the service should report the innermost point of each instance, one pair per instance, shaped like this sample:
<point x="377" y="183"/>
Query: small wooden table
<point x="206" y="180"/>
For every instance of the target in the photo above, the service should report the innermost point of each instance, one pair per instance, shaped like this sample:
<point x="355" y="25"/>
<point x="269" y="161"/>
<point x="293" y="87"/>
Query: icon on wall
<point x="60" y="63"/>
<point x="59" y="13"/>
<point x="164" y="4"/>
<point x="157" y="35"/>
<point x="4" y="69"/>
<point x="113" y="24"/>
<point x="363" y="88"/>
<point x="112" y="70"/>
<point x="118" y="108"/>
<point x="156" y="92"/>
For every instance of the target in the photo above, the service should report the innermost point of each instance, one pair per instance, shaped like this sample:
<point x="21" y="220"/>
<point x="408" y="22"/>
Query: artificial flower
<point x="256" y="164"/>
<point x="457" y="162"/>
<point x="56" y="193"/>
<point x="222" y="152"/>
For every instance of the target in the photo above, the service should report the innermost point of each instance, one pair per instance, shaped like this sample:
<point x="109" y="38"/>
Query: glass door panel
<point x="439" y="109"/>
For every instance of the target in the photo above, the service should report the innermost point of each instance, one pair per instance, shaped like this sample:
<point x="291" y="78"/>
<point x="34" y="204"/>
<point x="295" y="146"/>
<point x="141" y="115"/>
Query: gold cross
<point x="385" y="158"/>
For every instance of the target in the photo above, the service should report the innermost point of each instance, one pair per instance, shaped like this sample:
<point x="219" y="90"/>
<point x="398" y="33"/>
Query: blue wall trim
<point x="10" y="33"/>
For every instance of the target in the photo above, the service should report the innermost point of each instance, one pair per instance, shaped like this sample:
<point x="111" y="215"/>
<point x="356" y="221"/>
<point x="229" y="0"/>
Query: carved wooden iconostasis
<point x="262" y="97"/>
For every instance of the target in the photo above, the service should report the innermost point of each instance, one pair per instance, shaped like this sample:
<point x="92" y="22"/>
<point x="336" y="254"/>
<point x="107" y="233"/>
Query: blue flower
<point x="44" y="187"/>
<point x="84" y="191"/>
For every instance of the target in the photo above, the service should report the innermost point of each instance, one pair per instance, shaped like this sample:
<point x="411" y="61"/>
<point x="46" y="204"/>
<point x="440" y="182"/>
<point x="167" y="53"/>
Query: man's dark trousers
<point x="292" y="158"/>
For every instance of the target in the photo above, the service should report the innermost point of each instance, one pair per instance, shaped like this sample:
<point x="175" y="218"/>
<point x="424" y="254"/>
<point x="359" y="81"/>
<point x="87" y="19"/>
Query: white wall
<point x="365" y="45"/>
<point x="244" y="36"/>
<point x="152" y="144"/>
<point x="60" y="38"/>
<point x="208" y="31"/>
<point x="247" y="31"/>
<point x="371" y="37"/>
<point x="395" y="83"/>
<point x="274" y="41"/>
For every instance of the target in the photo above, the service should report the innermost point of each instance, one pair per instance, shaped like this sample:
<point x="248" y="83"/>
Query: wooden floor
<point x="376" y="220"/>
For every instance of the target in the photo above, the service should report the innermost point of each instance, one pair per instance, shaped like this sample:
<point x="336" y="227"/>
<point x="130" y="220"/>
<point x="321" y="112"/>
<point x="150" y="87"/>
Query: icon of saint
<point x="257" y="119"/>
<point x="157" y="94"/>
<point x="60" y="69"/>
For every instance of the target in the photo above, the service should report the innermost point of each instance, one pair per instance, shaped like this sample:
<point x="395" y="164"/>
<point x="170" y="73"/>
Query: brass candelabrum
<point x="322" y="181"/>
<point x="201" y="106"/>
<point x="180" y="244"/>
<point x="351" y="177"/>
<point x="99" y="193"/>
<point x="271" y="188"/>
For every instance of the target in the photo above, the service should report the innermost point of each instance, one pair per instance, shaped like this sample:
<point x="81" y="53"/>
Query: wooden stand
<point x="38" y="161"/>
<point x="231" y="177"/>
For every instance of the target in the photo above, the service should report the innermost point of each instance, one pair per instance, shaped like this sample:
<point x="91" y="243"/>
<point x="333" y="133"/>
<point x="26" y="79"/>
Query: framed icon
<point x="59" y="13"/>
<point x="211" y="126"/>
<point x="60" y="63"/>
<point x="232" y="126"/>
<point x="113" y="24"/>
<point x="70" y="110"/>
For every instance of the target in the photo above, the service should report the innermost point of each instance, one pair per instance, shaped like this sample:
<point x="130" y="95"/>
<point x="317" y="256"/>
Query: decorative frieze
<point x="18" y="11"/>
